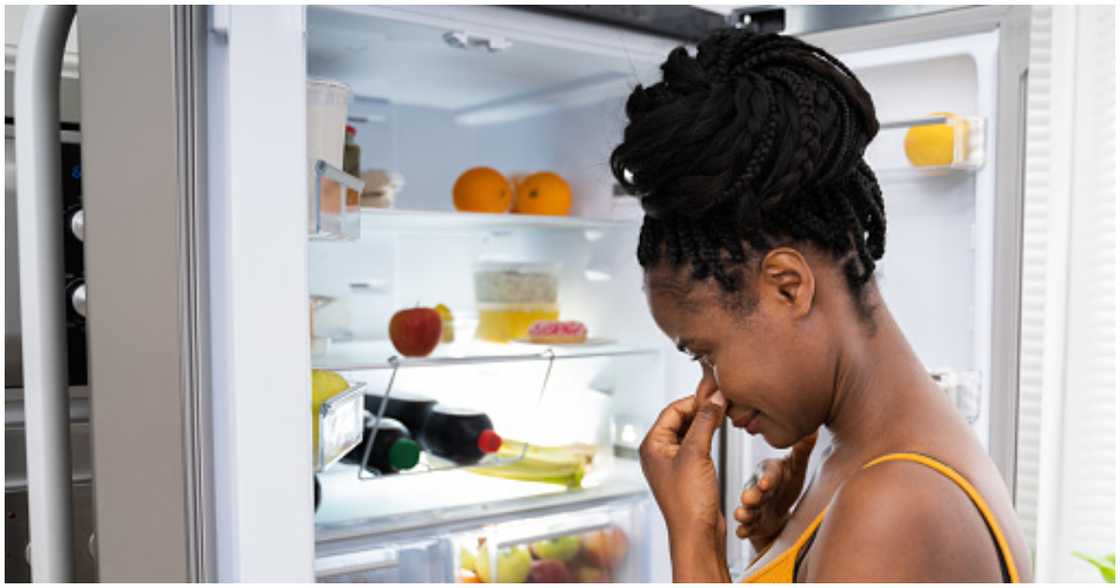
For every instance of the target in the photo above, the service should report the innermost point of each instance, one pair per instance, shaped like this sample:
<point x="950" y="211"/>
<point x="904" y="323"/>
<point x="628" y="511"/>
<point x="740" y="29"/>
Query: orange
<point x="482" y="189"/>
<point x="543" y="193"/>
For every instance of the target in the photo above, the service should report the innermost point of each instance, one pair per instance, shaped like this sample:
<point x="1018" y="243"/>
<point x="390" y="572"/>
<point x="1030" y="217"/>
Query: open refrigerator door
<point x="946" y="88"/>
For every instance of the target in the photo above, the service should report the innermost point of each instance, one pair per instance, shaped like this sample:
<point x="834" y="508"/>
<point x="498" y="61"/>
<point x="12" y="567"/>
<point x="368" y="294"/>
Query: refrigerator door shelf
<point x="929" y="146"/>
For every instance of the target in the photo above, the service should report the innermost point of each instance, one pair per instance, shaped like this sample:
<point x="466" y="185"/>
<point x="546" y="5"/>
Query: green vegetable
<point x="1106" y="565"/>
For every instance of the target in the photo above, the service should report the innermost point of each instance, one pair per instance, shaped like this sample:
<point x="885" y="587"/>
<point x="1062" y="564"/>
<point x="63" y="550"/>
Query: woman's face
<point x="771" y="357"/>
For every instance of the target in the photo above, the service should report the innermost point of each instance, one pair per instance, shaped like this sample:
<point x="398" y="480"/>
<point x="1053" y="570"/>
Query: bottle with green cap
<point x="393" y="447"/>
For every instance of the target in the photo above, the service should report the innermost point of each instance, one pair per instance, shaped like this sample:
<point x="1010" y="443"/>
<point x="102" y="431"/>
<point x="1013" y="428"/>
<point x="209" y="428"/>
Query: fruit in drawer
<point x="606" y="548"/>
<point x="550" y="571"/>
<point x="562" y="548"/>
<point x="591" y="575"/>
<point x="482" y="189"/>
<point x="543" y="193"/>
<point x="415" y="332"/>
<point x="514" y="564"/>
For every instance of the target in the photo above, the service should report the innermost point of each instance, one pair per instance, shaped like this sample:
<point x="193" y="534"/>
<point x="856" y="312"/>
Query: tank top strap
<point x="1007" y="562"/>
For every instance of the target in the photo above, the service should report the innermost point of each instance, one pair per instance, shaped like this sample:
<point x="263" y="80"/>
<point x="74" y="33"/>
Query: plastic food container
<point x="326" y="120"/>
<point x="512" y="296"/>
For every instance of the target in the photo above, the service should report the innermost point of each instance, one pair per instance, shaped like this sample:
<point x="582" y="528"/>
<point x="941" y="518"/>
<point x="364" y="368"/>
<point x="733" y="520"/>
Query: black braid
<point x="755" y="141"/>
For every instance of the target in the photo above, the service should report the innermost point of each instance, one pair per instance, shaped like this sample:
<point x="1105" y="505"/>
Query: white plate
<point x="590" y="342"/>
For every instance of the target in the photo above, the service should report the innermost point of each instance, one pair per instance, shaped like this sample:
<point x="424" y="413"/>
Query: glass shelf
<point x="411" y="502"/>
<point x="375" y="355"/>
<point x="387" y="220"/>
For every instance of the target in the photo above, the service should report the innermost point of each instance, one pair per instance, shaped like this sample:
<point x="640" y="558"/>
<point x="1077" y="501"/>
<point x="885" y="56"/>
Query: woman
<point x="763" y="225"/>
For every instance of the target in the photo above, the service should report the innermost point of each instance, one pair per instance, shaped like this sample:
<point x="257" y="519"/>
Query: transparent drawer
<point x="417" y="561"/>
<point x="601" y="544"/>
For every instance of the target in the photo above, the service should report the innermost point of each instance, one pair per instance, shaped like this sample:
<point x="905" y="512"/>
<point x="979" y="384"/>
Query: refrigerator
<point x="210" y="231"/>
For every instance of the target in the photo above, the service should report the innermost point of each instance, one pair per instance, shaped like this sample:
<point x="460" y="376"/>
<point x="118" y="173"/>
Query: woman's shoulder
<point x="902" y="521"/>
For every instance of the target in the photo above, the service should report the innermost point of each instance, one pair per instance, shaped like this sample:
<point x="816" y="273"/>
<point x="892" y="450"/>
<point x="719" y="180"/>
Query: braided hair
<point x="756" y="141"/>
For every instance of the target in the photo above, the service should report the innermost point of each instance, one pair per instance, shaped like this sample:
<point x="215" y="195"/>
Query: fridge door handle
<point x="43" y="302"/>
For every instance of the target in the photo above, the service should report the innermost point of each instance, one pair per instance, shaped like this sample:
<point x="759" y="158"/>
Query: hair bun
<point x="750" y="121"/>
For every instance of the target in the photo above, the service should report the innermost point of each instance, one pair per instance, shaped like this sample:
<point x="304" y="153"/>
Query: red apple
<point x="415" y="332"/>
<point x="550" y="571"/>
<point x="607" y="548"/>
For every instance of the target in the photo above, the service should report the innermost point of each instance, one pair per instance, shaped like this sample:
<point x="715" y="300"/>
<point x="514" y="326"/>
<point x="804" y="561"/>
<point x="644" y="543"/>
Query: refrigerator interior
<point x="429" y="111"/>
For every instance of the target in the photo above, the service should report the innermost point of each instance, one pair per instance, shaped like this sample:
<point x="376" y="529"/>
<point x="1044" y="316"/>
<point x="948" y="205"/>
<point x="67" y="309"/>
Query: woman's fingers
<point x="762" y="482"/>
<point x="707" y="416"/>
<point x="672" y="421"/>
<point x="771" y="475"/>
<point x="751" y="496"/>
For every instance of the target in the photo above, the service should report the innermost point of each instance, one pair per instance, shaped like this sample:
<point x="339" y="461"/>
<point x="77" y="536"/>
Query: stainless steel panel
<point x="16" y="535"/>
<point x="142" y="274"/>
<point x="801" y="19"/>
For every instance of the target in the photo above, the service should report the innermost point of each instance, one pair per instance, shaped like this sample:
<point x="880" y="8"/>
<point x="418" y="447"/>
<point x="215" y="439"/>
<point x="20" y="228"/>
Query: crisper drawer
<point x="407" y="561"/>
<point x="603" y="544"/>
<point x="598" y="542"/>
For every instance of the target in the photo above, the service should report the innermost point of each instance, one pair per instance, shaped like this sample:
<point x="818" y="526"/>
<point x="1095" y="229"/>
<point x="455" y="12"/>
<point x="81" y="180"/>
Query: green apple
<point x="562" y="548"/>
<point x="514" y="564"/>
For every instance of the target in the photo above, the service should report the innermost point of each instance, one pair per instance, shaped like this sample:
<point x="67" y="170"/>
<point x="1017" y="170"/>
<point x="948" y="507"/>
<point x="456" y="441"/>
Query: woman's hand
<point x="677" y="462"/>
<point x="770" y="493"/>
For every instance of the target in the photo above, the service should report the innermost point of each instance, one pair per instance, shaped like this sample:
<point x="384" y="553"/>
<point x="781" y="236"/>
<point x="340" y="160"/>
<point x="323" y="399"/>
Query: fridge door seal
<point x="142" y="118"/>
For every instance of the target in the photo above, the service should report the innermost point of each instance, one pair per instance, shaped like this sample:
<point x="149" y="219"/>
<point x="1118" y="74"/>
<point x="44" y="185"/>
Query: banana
<point x="564" y="465"/>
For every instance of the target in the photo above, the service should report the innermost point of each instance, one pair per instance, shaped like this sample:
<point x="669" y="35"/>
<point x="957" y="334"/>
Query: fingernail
<point x="718" y="399"/>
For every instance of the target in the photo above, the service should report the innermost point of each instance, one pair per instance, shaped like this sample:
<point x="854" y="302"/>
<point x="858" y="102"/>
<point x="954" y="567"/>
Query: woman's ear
<point x="787" y="274"/>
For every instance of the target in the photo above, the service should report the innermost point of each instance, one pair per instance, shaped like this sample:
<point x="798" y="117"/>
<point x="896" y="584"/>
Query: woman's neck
<point x="879" y="383"/>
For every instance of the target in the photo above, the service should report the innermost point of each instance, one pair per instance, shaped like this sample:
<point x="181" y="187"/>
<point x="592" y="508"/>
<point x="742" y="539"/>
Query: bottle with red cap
<point x="352" y="153"/>
<point x="460" y="435"/>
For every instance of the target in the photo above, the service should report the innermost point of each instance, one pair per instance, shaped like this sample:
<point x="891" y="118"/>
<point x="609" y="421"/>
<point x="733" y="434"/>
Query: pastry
<point x="558" y="332"/>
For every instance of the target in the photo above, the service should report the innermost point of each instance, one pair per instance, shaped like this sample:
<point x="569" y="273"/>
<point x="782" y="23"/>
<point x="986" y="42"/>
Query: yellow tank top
<point x="782" y="568"/>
